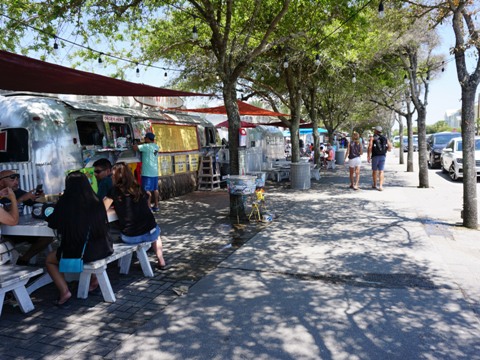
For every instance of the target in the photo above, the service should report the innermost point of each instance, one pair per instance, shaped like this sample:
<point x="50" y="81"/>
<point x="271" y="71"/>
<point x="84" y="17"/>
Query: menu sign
<point x="180" y="164"/>
<point x="114" y="119"/>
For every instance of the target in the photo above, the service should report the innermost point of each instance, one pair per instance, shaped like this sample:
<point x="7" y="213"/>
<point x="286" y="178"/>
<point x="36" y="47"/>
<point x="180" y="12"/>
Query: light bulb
<point x="277" y="74"/>
<point x="137" y="72"/>
<point x="354" y="79"/>
<point x="55" y="47"/>
<point x="100" y="59"/>
<point x="285" y="63"/>
<point x="317" y="60"/>
<point x="194" y="32"/>
<point x="381" y="10"/>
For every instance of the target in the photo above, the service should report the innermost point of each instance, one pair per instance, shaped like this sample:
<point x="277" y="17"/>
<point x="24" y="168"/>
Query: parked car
<point x="405" y="143"/>
<point x="396" y="140"/>
<point x="452" y="158"/>
<point x="435" y="144"/>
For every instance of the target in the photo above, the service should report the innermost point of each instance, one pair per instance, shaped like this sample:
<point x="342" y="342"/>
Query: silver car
<point x="452" y="158"/>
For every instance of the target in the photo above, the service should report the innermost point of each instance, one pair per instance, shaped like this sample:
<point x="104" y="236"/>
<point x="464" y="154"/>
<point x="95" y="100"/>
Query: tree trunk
<point x="400" y="148"/>
<point x="422" y="148"/>
<point x="237" y="202"/>
<point x="410" y="143"/>
<point x="470" y="215"/>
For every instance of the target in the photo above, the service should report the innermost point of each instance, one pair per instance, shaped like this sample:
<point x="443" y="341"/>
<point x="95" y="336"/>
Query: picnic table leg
<point x="23" y="298"/>
<point x="2" y="299"/>
<point x="105" y="286"/>
<point x="124" y="263"/>
<point x="83" y="285"/>
<point x="143" y="259"/>
<point x="43" y="280"/>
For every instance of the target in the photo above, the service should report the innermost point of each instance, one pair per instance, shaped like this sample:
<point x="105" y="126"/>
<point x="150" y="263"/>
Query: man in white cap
<point x="377" y="150"/>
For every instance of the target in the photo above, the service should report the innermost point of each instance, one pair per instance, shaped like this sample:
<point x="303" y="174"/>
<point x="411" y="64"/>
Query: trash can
<point x="300" y="175"/>
<point x="340" y="156"/>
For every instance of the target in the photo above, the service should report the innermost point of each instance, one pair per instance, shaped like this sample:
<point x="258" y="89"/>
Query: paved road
<point x="340" y="274"/>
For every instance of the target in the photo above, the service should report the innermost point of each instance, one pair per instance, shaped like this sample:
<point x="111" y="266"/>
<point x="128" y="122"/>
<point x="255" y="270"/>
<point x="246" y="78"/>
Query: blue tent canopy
<point x="305" y="131"/>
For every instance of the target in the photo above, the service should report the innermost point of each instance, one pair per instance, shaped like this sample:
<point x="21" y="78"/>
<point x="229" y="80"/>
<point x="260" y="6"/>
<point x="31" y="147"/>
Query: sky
<point x="445" y="91"/>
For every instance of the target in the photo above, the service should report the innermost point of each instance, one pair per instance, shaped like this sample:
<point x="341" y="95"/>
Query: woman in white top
<point x="353" y="154"/>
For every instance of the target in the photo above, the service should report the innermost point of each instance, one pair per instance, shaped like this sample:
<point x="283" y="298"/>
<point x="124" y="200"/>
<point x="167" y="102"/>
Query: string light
<point x="317" y="60"/>
<point x="165" y="74"/>
<point x="137" y="71"/>
<point x="381" y="10"/>
<point x="354" y="79"/>
<point x="100" y="58"/>
<point x="194" y="33"/>
<point x="406" y="80"/>
<point x="285" y="63"/>
<point x="277" y="74"/>
<point x="55" y="46"/>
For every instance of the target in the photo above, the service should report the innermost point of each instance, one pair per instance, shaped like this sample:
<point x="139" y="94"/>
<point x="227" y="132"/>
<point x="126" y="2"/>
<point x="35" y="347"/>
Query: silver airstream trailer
<point x="45" y="137"/>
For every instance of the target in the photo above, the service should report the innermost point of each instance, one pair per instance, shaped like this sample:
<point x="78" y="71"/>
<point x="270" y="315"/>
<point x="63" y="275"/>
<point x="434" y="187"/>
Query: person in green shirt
<point x="149" y="150"/>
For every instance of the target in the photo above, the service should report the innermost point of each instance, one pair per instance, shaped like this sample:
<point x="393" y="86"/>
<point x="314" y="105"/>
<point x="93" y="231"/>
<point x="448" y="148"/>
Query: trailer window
<point x="14" y="145"/>
<point x="89" y="132"/>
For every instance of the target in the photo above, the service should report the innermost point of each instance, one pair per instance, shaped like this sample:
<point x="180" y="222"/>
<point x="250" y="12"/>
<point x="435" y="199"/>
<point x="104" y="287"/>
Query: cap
<point x="378" y="128"/>
<point x="150" y="136"/>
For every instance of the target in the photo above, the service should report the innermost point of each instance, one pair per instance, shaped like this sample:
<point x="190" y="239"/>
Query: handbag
<point x="72" y="265"/>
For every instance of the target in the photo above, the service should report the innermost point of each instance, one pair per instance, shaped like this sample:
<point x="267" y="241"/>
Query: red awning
<point x="243" y="108"/>
<point x="20" y="73"/>
<point x="243" y="124"/>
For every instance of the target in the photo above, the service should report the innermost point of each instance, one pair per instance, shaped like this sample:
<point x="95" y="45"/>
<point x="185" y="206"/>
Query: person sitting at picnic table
<point x="136" y="221"/>
<point x="79" y="217"/>
<point x="10" y="179"/>
<point x="10" y="216"/>
<point x="103" y="174"/>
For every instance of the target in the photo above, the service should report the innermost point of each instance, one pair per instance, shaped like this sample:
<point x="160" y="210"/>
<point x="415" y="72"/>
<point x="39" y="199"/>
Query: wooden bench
<point x="121" y="252"/>
<point x="14" y="278"/>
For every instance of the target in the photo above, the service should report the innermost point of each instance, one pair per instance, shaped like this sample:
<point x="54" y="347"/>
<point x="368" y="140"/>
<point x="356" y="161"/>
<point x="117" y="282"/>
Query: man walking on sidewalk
<point x="377" y="150"/>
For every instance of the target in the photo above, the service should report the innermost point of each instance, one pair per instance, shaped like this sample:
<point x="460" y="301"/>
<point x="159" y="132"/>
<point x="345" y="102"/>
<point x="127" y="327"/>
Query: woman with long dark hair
<point x="137" y="223"/>
<point x="79" y="217"/>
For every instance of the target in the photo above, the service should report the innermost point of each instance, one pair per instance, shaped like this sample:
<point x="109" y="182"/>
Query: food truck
<point x="44" y="137"/>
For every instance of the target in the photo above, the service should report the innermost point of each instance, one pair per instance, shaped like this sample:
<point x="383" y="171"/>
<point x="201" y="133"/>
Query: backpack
<point x="379" y="145"/>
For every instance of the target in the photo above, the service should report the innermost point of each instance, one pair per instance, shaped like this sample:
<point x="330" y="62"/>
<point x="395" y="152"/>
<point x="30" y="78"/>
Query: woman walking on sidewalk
<point x="353" y="154"/>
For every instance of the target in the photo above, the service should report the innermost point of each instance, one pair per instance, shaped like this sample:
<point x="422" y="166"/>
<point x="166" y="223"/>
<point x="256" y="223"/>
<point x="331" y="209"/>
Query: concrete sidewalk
<point x="340" y="274"/>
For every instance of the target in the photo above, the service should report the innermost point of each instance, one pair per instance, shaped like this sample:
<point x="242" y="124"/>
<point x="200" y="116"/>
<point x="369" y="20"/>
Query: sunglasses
<point x="11" y="177"/>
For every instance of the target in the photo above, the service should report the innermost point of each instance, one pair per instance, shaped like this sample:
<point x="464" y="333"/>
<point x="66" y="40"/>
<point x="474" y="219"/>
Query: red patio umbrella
<point x="243" y="109"/>
<point x="243" y="124"/>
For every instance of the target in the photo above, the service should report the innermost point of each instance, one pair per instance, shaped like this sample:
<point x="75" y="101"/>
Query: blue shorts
<point x="378" y="163"/>
<point x="150" y="183"/>
<point x="150" y="236"/>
